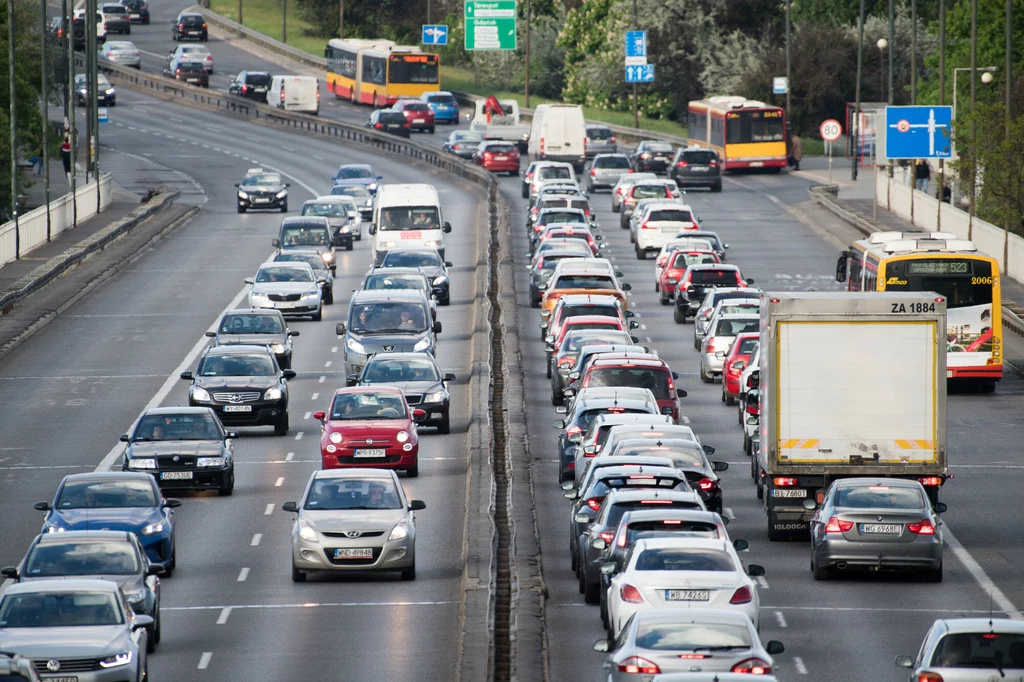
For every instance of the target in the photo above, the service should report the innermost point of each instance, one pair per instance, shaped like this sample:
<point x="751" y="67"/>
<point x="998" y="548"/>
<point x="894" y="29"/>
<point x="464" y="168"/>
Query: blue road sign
<point x="636" y="43"/>
<point x="643" y="73"/>
<point x="918" y="132"/>
<point x="435" y="34"/>
<point x="102" y="115"/>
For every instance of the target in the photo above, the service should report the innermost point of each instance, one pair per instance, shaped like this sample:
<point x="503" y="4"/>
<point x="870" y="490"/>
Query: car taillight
<point x="595" y="503"/>
<point x="681" y="164"/>
<point x="318" y="94"/>
<point x="637" y="665"/>
<point x="630" y="594"/>
<point x="379" y="126"/>
<point x="713" y="164"/>
<point x="245" y="88"/>
<point x="706" y="484"/>
<point x="742" y="596"/>
<point x="611" y="140"/>
<point x="785" y="481"/>
<point x="929" y="677"/>
<point x="645" y="155"/>
<point x="711" y="345"/>
<point x="930" y="480"/>
<point x="923" y="527"/>
<point x="177" y="71"/>
<point x="607" y="536"/>
<point x="646" y="226"/>
<point x="204" y="25"/>
<point x="488" y="155"/>
<point x="542" y="145"/>
<point x="181" y="26"/>
<point x="593" y="173"/>
<point x="834" y="525"/>
<point x="753" y="666"/>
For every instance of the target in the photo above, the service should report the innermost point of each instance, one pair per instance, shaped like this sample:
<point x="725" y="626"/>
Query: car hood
<point x="127" y="519"/>
<point x="251" y="339"/>
<point x="359" y="182"/>
<point x="341" y="521"/>
<point x="407" y="386"/>
<point x="127" y="583"/>
<point x="260" y="383"/>
<point x="361" y="429"/>
<point x="67" y="642"/>
<point x="395" y="343"/>
<point x="283" y="287"/>
<point x="199" y="448"/>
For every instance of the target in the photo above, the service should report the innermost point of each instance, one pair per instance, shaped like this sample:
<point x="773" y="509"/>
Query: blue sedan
<point x="122" y="500"/>
<point x="444" y="106"/>
<point x="359" y="174"/>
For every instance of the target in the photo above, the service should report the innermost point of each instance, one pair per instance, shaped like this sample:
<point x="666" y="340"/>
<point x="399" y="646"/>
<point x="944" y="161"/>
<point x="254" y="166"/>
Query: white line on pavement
<point x="762" y="583"/>
<point x="314" y="396"/>
<point x="242" y="575"/>
<point x="728" y="513"/>
<point x="256" y="540"/>
<point x="269" y="510"/>
<point x="204" y="660"/>
<point x="327" y="364"/>
<point x="298" y="436"/>
<point x="980" y="576"/>
<point x="279" y="482"/>
<point x="308" y="415"/>
<point x="782" y="619"/>
<point x="798" y="663"/>
<point x="289" y="456"/>
<point x="225" y="613"/>
<point x="334" y="349"/>
<point x="312" y="605"/>
<point x="323" y="378"/>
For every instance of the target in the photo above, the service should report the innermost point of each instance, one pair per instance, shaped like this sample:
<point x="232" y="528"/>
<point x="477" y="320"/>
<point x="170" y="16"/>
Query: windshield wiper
<point x="397" y="330"/>
<point x="723" y="647"/>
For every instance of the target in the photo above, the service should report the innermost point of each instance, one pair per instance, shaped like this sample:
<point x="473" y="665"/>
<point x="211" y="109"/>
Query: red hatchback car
<point x="497" y="157"/>
<point x="419" y="114"/>
<point x="736" y="361"/>
<point x="676" y="267"/>
<point x="370" y="426"/>
<point x="652" y="373"/>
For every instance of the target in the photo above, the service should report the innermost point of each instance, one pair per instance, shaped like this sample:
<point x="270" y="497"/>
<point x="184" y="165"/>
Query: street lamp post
<point x="986" y="78"/>
<point x="855" y="132"/>
<point x="882" y="44"/>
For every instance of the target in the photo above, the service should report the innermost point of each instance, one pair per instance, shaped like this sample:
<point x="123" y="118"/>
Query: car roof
<point x="590" y="319"/>
<point x="83" y="536"/>
<point x="617" y="496"/>
<point x="589" y="299"/>
<point x="376" y="388"/>
<point x="624" y="469"/>
<point x="696" y="616"/>
<point x="738" y="316"/>
<point x="415" y="249"/>
<point x="639" y="460"/>
<point x="405" y="295"/>
<point x="180" y="409"/>
<point x="862" y="482"/>
<point x="253" y="311"/>
<point x="1001" y="625"/>
<point x="63" y="585"/>
<point x="653" y="362"/>
<point x="389" y="272"/>
<point x="611" y="392"/>
<point x="654" y="514"/>
<point x="402" y="356"/>
<point x="305" y="221"/>
<point x="671" y="542"/>
<point x="111" y="475"/>
<point x="353" y="473"/>
<point x="237" y="349"/>
<point x="284" y="265"/>
<point x="715" y="266"/>
<point x="616" y="419"/>
<point x="302" y="250"/>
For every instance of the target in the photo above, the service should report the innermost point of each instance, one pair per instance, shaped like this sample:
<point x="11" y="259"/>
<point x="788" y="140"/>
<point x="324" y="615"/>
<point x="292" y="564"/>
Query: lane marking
<point x="314" y="605"/>
<point x="728" y="513"/>
<point x="781" y="619"/>
<point x="298" y="436"/>
<point x="308" y="415"/>
<point x="269" y="510"/>
<point x="322" y="379"/>
<point x="242" y="575"/>
<point x="334" y="349"/>
<point x="980" y="576"/>
<point x="279" y="482"/>
<point x="327" y="364"/>
<point x="879" y="609"/>
<point x="256" y="540"/>
<point x="798" y="663"/>
<point x="204" y="660"/>
<point x="314" y="396"/>
<point x="762" y="583"/>
<point x="289" y="456"/>
<point x="225" y="613"/>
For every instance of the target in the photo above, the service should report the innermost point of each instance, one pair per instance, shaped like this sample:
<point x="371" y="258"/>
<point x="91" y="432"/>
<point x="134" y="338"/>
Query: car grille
<point x="366" y="534"/>
<point x="67" y="665"/>
<point x="414" y="398"/>
<point x="236" y="397"/>
<point x="284" y="297"/>
<point x="387" y="459"/>
<point x="329" y="552"/>
<point x="176" y="462"/>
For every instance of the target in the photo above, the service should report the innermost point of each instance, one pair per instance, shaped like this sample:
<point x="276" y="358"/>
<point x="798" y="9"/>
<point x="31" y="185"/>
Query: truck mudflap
<point x="784" y="522"/>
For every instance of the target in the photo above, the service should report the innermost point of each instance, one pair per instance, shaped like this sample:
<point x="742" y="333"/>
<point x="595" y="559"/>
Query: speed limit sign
<point x="831" y="130"/>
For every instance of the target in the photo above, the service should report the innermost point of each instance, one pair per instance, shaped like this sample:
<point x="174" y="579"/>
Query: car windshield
<point x="585" y="282"/>
<point x="236" y="365"/>
<point x="680" y="454"/>
<point x="649" y="191"/>
<point x="685" y="259"/>
<point x="441" y="99"/>
<point x="392" y="371"/>
<point x="700" y="158"/>
<point x="411" y="259"/>
<point x="734" y="327"/>
<point x="617" y="162"/>
<point x="326" y="209"/>
<point x="657" y="147"/>
<point x="416" y="282"/>
<point x="106" y="494"/>
<point x="415" y="106"/>
<point x="284" y="275"/>
<point x="358" y="193"/>
<point x="409" y="218"/>
<point x="579" y="247"/>
<point x="552" y="172"/>
<point x="879" y="497"/>
<point x="684" y="559"/>
<point x="388" y="317"/>
<point x="261" y="179"/>
<point x="305" y="236"/>
<point x="980" y="650"/>
<point x="352" y="493"/>
<point x="720" y="277"/>
<point x="663" y="527"/>
<point x="692" y="636"/>
<point x="573" y="341"/>
<point x="499" y="148"/>
<point x="356" y="406"/>
<point x="59" y="609"/>
<point x="314" y="260"/>
<point x="354" y="173"/>
<point x="81" y="558"/>
<point x="739" y="309"/>
<point x="677" y="215"/>
<point x="552" y="217"/>
<point x="251" y="324"/>
<point x="188" y="426"/>
<point x="654" y="378"/>
<point x="115" y="45"/>
<point x="599" y="133"/>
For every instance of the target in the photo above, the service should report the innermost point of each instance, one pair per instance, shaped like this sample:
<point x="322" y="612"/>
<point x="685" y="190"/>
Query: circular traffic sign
<point x="831" y="130"/>
<point x="903" y="126"/>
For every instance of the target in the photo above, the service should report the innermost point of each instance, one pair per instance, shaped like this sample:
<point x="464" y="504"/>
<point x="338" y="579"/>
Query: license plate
<point x="949" y="374"/>
<point x="175" y="475"/>
<point x="196" y="80"/>
<point x="353" y="553"/>
<point x="60" y="679"/>
<point x="756" y="164"/>
<point x="417" y="120"/>
<point x="238" y="408"/>
<point x="698" y="168"/>
<point x="370" y="452"/>
<point x="686" y="595"/>
<point x="261" y="89"/>
<point x="261" y="201"/>
<point x="881" y="528"/>
<point x="501" y="158"/>
<point x="789" y="493"/>
<point x="412" y="234"/>
<point x="134" y="16"/>
<point x="671" y="230"/>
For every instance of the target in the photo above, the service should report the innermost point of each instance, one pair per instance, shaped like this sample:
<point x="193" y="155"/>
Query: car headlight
<point x="399" y="532"/>
<point x="273" y="393"/>
<point x="335" y="437"/>
<point x="355" y="346"/>
<point x="402" y="436"/>
<point x="438" y="281"/>
<point x="242" y="195"/>
<point x="153" y="528"/>
<point x="257" y="296"/>
<point x="210" y="462"/>
<point x="422" y="344"/>
<point x="142" y="463"/>
<point x="345" y="229"/>
<point x="387" y="245"/>
<point x="432" y="242"/>
<point x="282" y="194"/>
<point x="306" y="531"/>
<point x="436" y="397"/>
<point x="200" y="395"/>
<point x="372" y="186"/>
<point x="328" y="257"/>
<point x="117" y="660"/>
<point x="277" y="348"/>
<point x="110" y="91"/>
<point x="135" y="596"/>
<point x="55" y="529"/>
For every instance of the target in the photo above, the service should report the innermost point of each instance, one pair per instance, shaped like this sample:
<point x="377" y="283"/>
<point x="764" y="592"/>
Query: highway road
<point x="80" y="382"/>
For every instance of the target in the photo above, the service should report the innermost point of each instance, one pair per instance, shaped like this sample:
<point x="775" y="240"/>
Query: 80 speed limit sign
<point x="831" y="130"/>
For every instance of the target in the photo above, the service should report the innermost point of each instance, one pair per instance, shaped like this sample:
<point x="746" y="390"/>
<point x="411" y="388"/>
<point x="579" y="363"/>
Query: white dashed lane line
<point x="279" y="482"/>
<point x="289" y="456"/>
<point x="798" y="663"/>
<point x="269" y="510"/>
<point x="204" y="660"/>
<point x="256" y="540"/>
<point x="243" y="574"/>
<point x="225" y="613"/>
<point x="298" y="436"/>
<point x="781" y="619"/>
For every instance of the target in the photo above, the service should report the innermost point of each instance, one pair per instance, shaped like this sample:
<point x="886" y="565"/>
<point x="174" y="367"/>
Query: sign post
<point x="830" y="131"/>
<point x="490" y="24"/>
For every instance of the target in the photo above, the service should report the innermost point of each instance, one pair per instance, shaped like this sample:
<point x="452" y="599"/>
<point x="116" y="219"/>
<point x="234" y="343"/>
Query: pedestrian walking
<point x="796" y="152"/>
<point x="922" y="173"/>
<point x="65" y="157"/>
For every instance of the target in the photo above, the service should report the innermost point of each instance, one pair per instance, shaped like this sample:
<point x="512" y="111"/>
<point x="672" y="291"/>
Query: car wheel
<point x="329" y="297"/>
<point x="746" y="442"/>
<point x="157" y="629"/>
<point x="350" y="246"/>
<point x="640" y="254"/>
<point x="678" y="316"/>
<point x="730" y="400"/>
<point x="228" y="487"/>
<point x="759" y="486"/>
<point x="556" y="399"/>
<point x="934" y="576"/>
<point x="284" y="207"/>
<point x="696" y="341"/>
<point x="169" y="571"/>
<point x="414" y="471"/>
<point x="145" y="22"/>
<point x="150" y="640"/>
<point x="704" y="377"/>
<point x="665" y="300"/>
<point x="445" y="426"/>
<point x="573" y="560"/>
<point x="431" y="130"/>
<point x="820" y="572"/>
<point x="604" y="610"/>
<point x="128" y="31"/>
<point x="297" y="575"/>
<point x="534" y="303"/>
<point x="319" y="315"/>
<point x="409" y="573"/>
<point x="281" y="427"/>
<point x="241" y="209"/>
<point x="144" y="673"/>
<point x="717" y="187"/>
<point x="525" y="192"/>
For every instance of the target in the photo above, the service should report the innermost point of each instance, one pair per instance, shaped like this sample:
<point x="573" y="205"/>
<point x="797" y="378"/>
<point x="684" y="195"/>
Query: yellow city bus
<point x="379" y="72"/>
<point x="744" y="133"/>
<point x="954" y="269"/>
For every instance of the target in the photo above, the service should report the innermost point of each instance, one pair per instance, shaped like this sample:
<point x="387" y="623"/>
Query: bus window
<point x="853" y="278"/>
<point x="412" y="69"/>
<point x="755" y="126"/>
<point x="374" y="70"/>
<point x="717" y="130"/>
<point x="698" y="125"/>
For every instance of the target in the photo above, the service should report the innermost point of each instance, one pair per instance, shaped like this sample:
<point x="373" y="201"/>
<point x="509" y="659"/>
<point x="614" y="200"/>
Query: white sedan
<point x="677" y="572"/>
<point x="122" y="53"/>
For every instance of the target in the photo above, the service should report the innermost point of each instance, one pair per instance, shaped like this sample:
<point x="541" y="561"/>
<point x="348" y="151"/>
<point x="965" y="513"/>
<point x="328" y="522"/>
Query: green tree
<point x="27" y="79"/>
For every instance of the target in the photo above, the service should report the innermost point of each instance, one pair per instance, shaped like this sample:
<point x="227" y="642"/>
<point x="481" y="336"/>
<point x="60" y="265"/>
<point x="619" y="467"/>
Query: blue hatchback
<point x="121" y="500"/>
<point x="444" y="106"/>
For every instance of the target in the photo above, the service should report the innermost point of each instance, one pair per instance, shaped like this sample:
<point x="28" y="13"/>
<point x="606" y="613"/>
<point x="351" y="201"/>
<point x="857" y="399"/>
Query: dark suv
<point x="189" y="25"/>
<point x="193" y="73"/>
<point x="251" y="85"/>
<point x="138" y="11"/>
<point x="697" y="167"/>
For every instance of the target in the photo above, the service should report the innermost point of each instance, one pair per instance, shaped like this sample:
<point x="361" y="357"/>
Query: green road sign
<point x="490" y="24"/>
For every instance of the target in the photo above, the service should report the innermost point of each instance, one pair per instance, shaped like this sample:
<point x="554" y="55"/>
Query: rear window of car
<point x="658" y="147"/>
<point x="499" y="148"/>
<point x="988" y="651"/>
<point x="114" y="9"/>
<point x="614" y="512"/>
<point x="654" y="378"/>
<point x="674" y="215"/>
<point x="611" y="162"/>
<point x="258" y="79"/>
<point x="879" y="497"/>
<point x="585" y="282"/>
<point x="649" y="191"/>
<point x="701" y="529"/>
<point x="191" y="66"/>
<point x="685" y="259"/>
<point x="550" y="217"/>
<point x="604" y="310"/>
<point x="441" y="99"/>
<point x="680" y="559"/>
<point x="599" y="133"/>
<point x="416" y="106"/>
<point x="192" y="20"/>
<point x="735" y="327"/>
<point x="703" y="157"/>
<point x="552" y="172"/>
<point x="391" y="117"/>
<point x="713" y="277"/>
<point x="747" y="346"/>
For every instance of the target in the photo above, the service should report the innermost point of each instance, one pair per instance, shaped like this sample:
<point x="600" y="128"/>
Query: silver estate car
<point x="353" y="520"/>
<point x="605" y="171"/>
<point x="677" y="640"/>
<point x="969" y="650"/>
<point x="876" y="524"/>
<point x="721" y="333"/>
<point x="122" y="53"/>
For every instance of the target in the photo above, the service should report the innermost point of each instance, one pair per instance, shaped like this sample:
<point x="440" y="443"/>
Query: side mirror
<point x="568" y="392"/>
<point x="339" y="329"/>
<point x="598" y="238"/>
<point x="170" y="503"/>
<point x="236" y="184"/>
<point x="939" y="507"/>
<point x="287" y="184"/>
<point x="211" y="335"/>
<point x="290" y="507"/>
<point x="380" y="177"/>
<point x="841" y="265"/>
<point x="634" y="339"/>
<point x="275" y="243"/>
<point x="291" y="333"/>
<point x="749" y="280"/>
<point x="549" y="348"/>
<point x="248" y="280"/>
<point x="681" y="393"/>
<point x="124" y="438"/>
<point x="372" y="229"/>
<point x="755" y="570"/>
<point x="231" y="435"/>
<point x="419" y="416"/>
<point x="447" y="227"/>
<point x="187" y="376"/>
<point x="775" y="647"/>
<point x="570" y="494"/>
<point x="601" y="646"/>
<point x="902" y="661"/>
<point x="448" y="376"/>
<point x="581" y="518"/>
<point x="9" y="572"/>
<point x="627" y="287"/>
<point x="740" y="545"/>
<point x="809" y="504"/>
<point x="417" y="505"/>
<point x="545" y="314"/>
<point x="288" y="373"/>
<point x="142" y="621"/>
<point x="608" y="568"/>
<point x="708" y="449"/>
<point x="574" y="375"/>
<point x="561" y="409"/>
<point x="448" y="264"/>
<point x="41" y="506"/>
<point x="560" y="424"/>
<point x="719" y="466"/>
<point x="633" y="324"/>
<point x="154" y="569"/>
<point x="599" y="543"/>
<point x="575" y="437"/>
<point x="437" y="326"/>
<point x="319" y="415"/>
<point x="352" y="380"/>
<point x="549" y="339"/>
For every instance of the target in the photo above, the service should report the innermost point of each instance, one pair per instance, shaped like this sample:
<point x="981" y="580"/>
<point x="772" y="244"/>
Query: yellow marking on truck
<point x="799" y="444"/>
<point x="915" y="444"/>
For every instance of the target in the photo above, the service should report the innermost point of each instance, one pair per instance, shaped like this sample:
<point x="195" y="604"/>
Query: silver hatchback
<point x="721" y="333"/>
<point x="605" y="171"/>
<point x="600" y="140"/>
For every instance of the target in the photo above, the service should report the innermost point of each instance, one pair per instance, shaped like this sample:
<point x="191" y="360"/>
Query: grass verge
<point x="265" y="16"/>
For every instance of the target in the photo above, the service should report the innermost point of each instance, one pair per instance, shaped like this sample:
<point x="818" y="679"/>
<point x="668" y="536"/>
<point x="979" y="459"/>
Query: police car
<point x="262" y="189"/>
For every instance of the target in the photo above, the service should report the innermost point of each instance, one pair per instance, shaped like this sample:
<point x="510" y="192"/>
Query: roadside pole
<point x="46" y="116"/>
<point x="14" y="129"/>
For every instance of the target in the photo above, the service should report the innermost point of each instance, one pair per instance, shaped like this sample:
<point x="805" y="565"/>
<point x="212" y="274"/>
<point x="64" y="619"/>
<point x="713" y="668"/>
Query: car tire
<point x="409" y="573"/>
<point x="227" y="490"/>
<point x="431" y="130"/>
<point x="556" y="400"/>
<point x="678" y="316"/>
<point x="526" y="193"/>
<point x="241" y="209"/>
<point x="820" y="572"/>
<point x="591" y="591"/>
<point x="157" y="626"/>
<point x="150" y="641"/>
<point x="329" y="297"/>
<point x="730" y="399"/>
<point x="319" y="315"/>
<point x="414" y="471"/>
<point x="284" y="207"/>
<point x="704" y="377"/>
<point x="297" y="575"/>
<point x="445" y="427"/>
<point x="758" y="485"/>
<point x="534" y="303"/>
<point x="641" y="254"/>
<point x="281" y="427"/>
<point x="573" y="560"/>
<point x="169" y="571"/>
<point x="717" y="187"/>
<point x="934" y="576"/>
<point x="128" y="31"/>
<point x="350" y="246"/>
<point x="145" y="22"/>
<point x="696" y="341"/>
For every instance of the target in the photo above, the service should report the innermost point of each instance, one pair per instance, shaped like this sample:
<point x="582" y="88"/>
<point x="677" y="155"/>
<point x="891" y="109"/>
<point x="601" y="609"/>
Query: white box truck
<point x="851" y="384"/>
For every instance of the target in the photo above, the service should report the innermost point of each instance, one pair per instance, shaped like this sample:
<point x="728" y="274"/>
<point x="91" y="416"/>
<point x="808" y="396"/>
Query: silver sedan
<point x="122" y="53"/>
<point x="876" y="524"/>
<point x="353" y="520"/>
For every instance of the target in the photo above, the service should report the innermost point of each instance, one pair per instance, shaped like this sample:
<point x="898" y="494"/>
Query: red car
<point x="569" y="232"/>
<point x="575" y="323"/>
<point x="735" y="362"/>
<point x="497" y="157"/>
<point x="370" y="426"/>
<point x="676" y="267"/>
<point x="419" y="114"/>
<point x="652" y="373"/>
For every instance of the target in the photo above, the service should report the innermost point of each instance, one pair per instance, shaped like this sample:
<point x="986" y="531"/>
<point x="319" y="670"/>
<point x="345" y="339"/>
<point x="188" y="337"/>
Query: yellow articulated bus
<point x="379" y="72"/>
<point x="744" y="133"/>
<point x="952" y="268"/>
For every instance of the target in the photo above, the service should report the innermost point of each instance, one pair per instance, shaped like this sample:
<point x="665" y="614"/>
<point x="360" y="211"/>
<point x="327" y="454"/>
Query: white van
<point x="559" y="133"/>
<point x="295" y="93"/>
<point x="407" y="216"/>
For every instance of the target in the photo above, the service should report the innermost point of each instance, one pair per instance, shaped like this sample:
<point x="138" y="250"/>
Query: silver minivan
<point x="600" y="140"/>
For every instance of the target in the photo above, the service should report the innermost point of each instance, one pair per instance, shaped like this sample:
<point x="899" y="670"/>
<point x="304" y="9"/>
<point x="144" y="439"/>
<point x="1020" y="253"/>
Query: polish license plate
<point x="881" y="528"/>
<point x="261" y="201"/>
<point x="412" y="234"/>
<point x="134" y="16"/>
<point x="670" y="230"/>
<point x="756" y="164"/>
<point x="353" y="553"/>
<point x="238" y="408"/>
<point x="698" y="169"/>
<point x="370" y="452"/>
<point x="949" y="374"/>
<point x="687" y="595"/>
<point x="260" y="89"/>
<point x="196" y="80"/>
<point x="65" y="678"/>
<point x="417" y="120"/>
<point x="175" y="475"/>
<point x="789" y="493"/>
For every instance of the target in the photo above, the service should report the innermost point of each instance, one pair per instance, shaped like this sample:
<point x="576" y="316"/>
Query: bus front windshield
<point x="754" y="126"/>
<point x="964" y="283"/>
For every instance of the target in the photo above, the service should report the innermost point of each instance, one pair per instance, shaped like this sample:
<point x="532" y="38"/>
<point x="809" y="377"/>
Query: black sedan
<point x="259" y="327"/>
<point x="260" y="189"/>
<point x="652" y="156"/>
<point x="243" y="385"/>
<point x="429" y="262"/>
<point x="183" y="447"/>
<point x="388" y="121"/>
<point x="420" y="379"/>
<point x="138" y="11"/>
